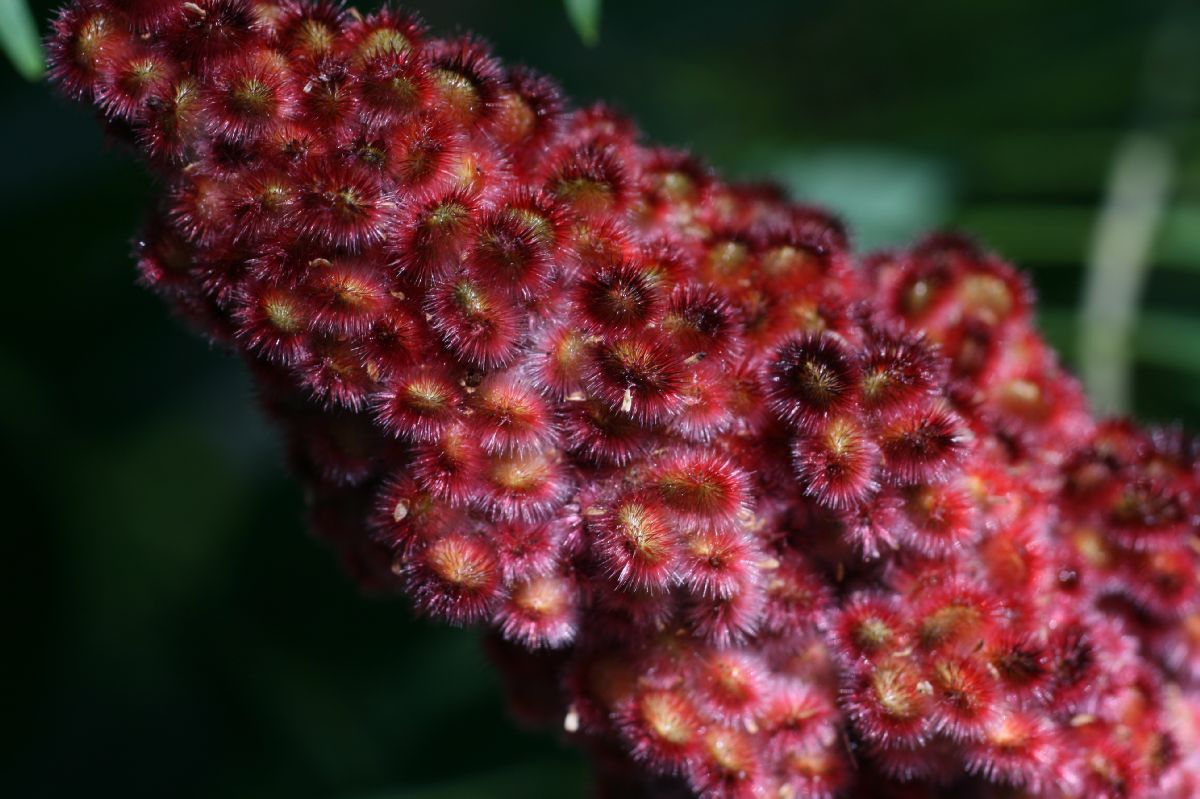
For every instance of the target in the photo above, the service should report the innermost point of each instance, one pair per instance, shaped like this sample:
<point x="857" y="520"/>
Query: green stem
<point x="1119" y="260"/>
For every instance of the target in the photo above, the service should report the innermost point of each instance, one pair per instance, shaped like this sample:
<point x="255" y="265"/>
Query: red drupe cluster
<point x="748" y="515"/>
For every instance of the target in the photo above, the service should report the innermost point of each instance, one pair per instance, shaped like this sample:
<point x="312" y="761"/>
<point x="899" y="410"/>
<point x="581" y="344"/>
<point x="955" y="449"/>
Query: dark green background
<point x="170" y="628"/>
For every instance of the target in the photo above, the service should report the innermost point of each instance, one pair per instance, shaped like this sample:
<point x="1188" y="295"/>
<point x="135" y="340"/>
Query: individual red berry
<point x="307" y="30"/>
<point x="673" y="183"/>
<point x="812" y="379"/>
<point x="888" y="703"/>
<point x="130" y="80"/>
<point x="392" y="86"/>
<point x="540" y="612"/>
<point x="701" y="324"/>
<point x="593" y="244"/>
<point x="701" y="485"/>
<point x="530" y="113"/>
<point x="467" y="80"/>
<point x="1075" y="654"/>
<point x="638" y="375"/>
<point x="198" y="208"/>
<point x="290" y="145"/>
<point x="636" y="542"/>
<point x="798" y="717"/>
<point x="730" y="618"/>
<point x="164" y="259"/>
<point x="871" y="527"/>
<point x="1021" y="663"/>
<point x="597" y="434"/>
<point x="620" y="297"/>
<point x="898" y="370"/>
<point x="249" y="96"/>
<point x="344" y="205"/>
<point x="513" y="252"/>
<point x="868" y="626"/>
<point x="420" y="403"/>
<point x="662" y="728"/>
<point x="393" y="342"/>
<point x="347" y="296"/>
<point x="385" y="31"/>
<point x="705" y="412"/>
<point x="590" y="180"/>
<point x="921" y="444"/>
<point x="836" y="464"/>
<point x="450" y="467"/>
<point x="562" y="358"/>
<point x="455" y="578"/>
<point x="206" y="32"/>
<point x="954" y="617"/>
<point x="964" y="696"/>
<point x="732" y="685"/>
<point x="484" y="173"/>
<point x="478" y="324"/>
<point x="423" y="154"/>
<point x="936" y="519"/>
<point x="527" y="486"/>
<point x="335" y="374"/>
<point x="1016" y="748"/>
<point x="328" y="101"/>
<point x="437" y="237"/>
<point x="728" y="765"/>
<point x="170" y="121"/>
<point x="263" y="203"/>
<point x="87" y="39"/>
<point x="716" y="559"/>
<point x="509" y="416"/>
<point x="797" y="597"/>
<point x="274" y="321"/>
<point x="529" y="550"/>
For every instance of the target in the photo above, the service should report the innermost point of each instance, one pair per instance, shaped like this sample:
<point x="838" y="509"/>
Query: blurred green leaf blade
<point x="19" y="38"/>
<point x="1162" y="339"/>
<point x="585" y="18"/>
<point x="888" y="197"/>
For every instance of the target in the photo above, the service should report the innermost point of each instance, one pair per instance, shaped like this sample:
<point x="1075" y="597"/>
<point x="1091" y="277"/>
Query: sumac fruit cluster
<point x="748" y="514"/>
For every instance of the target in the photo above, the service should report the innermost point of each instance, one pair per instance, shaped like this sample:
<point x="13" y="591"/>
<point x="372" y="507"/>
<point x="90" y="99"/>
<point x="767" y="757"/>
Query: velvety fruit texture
<point x="747" y="514"/>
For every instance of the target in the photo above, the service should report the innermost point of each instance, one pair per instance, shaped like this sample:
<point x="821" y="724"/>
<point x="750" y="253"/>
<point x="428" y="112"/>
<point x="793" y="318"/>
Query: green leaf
<point x="887" y="196"/>
<point x="1161" y="339"/>
<point x="19" y="38"/>
<point x="585" y="17"/>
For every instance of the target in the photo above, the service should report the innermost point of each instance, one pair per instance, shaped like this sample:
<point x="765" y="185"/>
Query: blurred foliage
<point x="585" y="16"/>
<point x="887" y="196"/>
<point x="19" y="39"/>
<point x="174" y="632"/>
